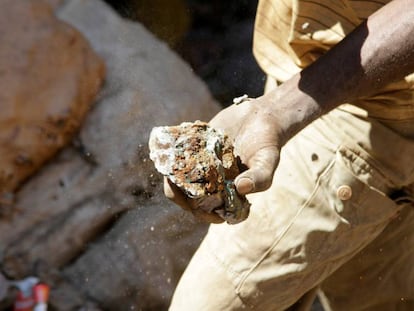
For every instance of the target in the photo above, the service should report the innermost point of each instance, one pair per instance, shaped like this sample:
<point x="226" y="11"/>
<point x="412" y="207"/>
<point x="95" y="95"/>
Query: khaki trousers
<point x="337" y="217"/>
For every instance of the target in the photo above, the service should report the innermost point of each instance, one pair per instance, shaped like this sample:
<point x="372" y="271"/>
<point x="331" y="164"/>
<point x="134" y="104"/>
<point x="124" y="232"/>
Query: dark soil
<point x="217" y="42"/>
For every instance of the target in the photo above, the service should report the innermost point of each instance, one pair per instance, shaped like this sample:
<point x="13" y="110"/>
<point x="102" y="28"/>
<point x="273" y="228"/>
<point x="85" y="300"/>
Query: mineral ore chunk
<point x="200" y="161"/>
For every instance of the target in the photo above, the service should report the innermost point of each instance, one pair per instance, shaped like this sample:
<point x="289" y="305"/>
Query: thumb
<point x="260" y="173"/>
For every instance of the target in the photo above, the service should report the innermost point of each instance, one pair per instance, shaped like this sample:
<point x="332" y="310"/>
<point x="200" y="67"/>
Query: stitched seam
<point x="374" y="168"/>
<point x="227" y="268"/>
<point x="276" y="242"/>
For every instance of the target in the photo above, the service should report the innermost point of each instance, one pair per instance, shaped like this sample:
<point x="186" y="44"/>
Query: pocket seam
<point x="286" y="230"/>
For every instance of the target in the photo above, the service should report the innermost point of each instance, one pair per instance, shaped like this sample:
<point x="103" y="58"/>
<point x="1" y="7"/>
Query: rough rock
<point x="50" y="76"/>
<point x="96" y="212"/>
<point x="200" y="161"/>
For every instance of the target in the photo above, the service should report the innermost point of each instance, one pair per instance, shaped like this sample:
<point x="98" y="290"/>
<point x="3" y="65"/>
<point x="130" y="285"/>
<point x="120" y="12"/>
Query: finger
<point x="259" y="176"/>
<point x="175" y="194"/>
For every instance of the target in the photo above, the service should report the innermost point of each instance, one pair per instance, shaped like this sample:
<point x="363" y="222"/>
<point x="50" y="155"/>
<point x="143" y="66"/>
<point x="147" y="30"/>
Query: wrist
<point x="291" y="108"/>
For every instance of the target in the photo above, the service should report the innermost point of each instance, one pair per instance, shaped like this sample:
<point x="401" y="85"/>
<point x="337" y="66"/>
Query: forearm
<point x="378" y="52"/>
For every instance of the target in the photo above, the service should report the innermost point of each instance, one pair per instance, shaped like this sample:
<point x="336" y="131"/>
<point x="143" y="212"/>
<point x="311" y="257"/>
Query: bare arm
<point x="379" y="51"/>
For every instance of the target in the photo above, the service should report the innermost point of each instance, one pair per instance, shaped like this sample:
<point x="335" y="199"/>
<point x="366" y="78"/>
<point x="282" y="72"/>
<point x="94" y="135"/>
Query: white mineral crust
<point x="200" y="161"/>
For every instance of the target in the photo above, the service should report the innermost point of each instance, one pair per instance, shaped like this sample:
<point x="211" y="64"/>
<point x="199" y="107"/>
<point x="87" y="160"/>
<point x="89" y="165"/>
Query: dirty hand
<point x="257" y="136"/>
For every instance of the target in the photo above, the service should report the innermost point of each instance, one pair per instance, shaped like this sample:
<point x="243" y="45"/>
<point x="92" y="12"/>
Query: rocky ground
<point x="92" y="222"/>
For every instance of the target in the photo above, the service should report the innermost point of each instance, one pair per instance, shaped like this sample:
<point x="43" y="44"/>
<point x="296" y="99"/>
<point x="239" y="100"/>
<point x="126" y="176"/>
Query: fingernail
<point x="244" y="185"/>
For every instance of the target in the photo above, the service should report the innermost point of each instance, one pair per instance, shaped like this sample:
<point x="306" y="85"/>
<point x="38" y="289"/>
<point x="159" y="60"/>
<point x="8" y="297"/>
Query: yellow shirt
<point x="291" y="34"/>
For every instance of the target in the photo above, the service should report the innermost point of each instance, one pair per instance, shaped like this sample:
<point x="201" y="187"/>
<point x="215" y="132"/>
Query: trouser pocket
<point x="347" y="209"/>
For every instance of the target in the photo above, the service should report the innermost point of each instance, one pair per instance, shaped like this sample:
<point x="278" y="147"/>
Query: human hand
<point x="255" y="133"/>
